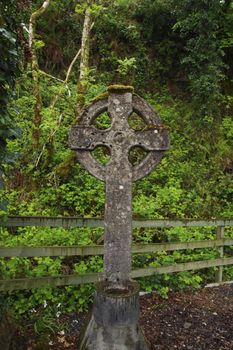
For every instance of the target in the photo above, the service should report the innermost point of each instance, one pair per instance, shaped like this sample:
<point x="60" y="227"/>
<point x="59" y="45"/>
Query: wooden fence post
<point x="219" y="273"/>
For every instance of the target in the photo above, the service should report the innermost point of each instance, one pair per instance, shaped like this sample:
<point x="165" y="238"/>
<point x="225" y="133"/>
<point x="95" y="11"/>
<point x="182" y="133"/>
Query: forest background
<point x="55" y="59"/>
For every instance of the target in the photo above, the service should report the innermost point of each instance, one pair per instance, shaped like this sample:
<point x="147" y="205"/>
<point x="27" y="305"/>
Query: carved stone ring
<point x="119" y="138"/>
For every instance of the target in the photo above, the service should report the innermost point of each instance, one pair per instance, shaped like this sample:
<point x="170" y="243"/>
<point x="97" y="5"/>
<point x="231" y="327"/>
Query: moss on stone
<point x="113" y="88"/>
<point x="100" y="97"/>
<point x="120" y="88"/>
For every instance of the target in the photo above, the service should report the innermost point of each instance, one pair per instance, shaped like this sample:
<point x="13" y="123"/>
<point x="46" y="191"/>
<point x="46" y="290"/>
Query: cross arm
<point x="154" y="139"/>
<point x="86" y="138"/>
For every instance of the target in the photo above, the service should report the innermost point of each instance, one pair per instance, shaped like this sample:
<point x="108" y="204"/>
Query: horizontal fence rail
<point x="30" y="252"/>
<point x="66" y="222"/>
<point x="74" y="279"/>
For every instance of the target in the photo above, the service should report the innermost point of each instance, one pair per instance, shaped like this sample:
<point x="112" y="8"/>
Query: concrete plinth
<point x="114" y="321"/>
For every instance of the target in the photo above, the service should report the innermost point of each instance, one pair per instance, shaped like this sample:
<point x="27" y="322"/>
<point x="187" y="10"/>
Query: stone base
<point x="114" y="322"/>
<point x="98" y="338"/>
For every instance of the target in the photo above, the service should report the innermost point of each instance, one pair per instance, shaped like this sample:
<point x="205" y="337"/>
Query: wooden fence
<point x="74" y="279"/>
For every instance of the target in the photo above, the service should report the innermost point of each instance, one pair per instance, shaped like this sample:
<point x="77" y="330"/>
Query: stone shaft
<point x="118" y="222"/>
<point x="118" y="212"/>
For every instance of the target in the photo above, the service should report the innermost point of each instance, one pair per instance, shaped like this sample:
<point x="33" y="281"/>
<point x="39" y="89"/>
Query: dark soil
<point x="201" y="319"/>
<point x="192" y="320"/>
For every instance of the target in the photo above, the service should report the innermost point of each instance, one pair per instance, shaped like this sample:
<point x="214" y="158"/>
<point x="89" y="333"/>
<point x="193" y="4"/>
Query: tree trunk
<point x="36" y="75"/>
<point x="84" y="61"/>
<point x="63" y="170"/>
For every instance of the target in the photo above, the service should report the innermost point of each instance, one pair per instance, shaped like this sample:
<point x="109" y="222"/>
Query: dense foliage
<point x="178" y="55"/>
<point x="200" y="24"/>
<point x="9" y="70"/>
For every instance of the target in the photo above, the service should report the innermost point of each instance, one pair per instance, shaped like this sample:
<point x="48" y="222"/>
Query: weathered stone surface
<point x="143" y="109"/>
<point x="114" y="323"/>
<point x="112" y="338"/>
<point x="119" y="172"/>
<point x="116" y="307"/>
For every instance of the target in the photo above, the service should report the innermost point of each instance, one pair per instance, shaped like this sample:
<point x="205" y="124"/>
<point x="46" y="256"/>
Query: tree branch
<point x="51" y="76"/>
<point x="50" y="137"/>
<point x="71" y="66"/>
<point x="85" y="45"/>
<point x="33" y="18"/>
<point x="35" y="74"/>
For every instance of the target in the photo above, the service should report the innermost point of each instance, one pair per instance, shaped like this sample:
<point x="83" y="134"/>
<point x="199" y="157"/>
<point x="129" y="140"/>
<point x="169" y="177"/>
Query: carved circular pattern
<point x="145" y="111"/>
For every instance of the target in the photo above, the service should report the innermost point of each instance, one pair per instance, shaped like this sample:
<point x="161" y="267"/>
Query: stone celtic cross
<point x="119" y="173"/>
